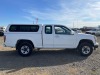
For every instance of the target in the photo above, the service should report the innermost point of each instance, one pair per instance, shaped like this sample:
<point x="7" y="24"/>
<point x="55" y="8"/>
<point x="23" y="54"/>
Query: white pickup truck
<point x="25" y="38"/>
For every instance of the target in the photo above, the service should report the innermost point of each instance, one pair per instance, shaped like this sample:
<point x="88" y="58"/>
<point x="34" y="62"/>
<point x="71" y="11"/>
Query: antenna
<point x="73" y="24"/>
<point x="33" y="22"/>
<point x="36" y="20"/>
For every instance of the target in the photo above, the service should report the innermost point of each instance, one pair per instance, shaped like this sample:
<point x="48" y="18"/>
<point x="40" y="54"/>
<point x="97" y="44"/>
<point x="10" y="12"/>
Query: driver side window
<point x="62" y="30"/>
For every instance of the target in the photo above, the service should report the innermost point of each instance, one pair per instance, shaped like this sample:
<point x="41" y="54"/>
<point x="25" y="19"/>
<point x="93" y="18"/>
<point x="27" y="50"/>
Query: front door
<point x="63" y="37"/>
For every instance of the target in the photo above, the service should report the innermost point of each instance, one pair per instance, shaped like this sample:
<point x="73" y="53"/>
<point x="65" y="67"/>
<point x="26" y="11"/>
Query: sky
<point x="72" y="13"/>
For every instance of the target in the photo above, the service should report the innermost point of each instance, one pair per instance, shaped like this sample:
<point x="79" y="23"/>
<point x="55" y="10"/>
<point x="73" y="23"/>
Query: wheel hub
<point x="86" y="49"/>
<point x="25" y="49"/>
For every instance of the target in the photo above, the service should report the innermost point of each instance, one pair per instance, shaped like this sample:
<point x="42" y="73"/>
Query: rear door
<point x="48" y="36"/>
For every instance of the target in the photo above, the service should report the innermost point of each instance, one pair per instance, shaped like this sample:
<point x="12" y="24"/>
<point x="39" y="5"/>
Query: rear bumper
<point x="4" y="45"/>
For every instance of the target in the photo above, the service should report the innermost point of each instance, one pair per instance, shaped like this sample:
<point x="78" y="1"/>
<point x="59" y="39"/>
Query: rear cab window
<point x="24" y="28"/>
<point x="48" y="29"/>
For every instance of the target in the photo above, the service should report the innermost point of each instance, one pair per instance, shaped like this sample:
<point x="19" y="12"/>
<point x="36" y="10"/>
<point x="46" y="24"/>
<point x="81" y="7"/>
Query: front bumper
<point x="96" y="45"/>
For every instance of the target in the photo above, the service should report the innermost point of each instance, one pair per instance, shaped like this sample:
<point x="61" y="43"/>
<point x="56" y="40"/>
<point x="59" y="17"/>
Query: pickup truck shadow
<point x="10" y="60"/>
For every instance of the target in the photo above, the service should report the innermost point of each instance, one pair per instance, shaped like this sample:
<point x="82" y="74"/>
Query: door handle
<point x="56" y="36"/>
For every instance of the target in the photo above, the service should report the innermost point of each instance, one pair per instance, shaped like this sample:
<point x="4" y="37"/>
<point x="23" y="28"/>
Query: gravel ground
<point x="48" y="62"/>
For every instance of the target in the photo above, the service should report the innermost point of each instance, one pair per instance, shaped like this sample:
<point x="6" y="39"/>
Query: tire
<point x="85" y="49"/>
<point x="25" y="49"/>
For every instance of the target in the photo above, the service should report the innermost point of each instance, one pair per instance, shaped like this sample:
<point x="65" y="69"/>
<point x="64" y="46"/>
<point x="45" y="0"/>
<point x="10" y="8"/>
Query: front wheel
<point x="85" y="49"/>
<point x="25" y="49"/>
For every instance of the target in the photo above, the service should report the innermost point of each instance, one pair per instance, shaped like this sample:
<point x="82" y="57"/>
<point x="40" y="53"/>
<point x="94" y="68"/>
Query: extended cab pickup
<point x="25" y="38"/>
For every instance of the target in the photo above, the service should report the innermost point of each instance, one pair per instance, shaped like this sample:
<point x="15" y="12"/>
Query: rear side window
<point x="24" y="28"/>
<point x="48" y="29"/>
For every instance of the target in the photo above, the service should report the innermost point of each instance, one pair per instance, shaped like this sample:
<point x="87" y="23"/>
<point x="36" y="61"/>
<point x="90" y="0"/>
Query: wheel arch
<point x="86" y="40"/>
<point x="23" y="40"/>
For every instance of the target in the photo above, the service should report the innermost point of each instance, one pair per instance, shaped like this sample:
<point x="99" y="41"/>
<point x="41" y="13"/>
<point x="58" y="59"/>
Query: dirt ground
<point x="48" y="62"/>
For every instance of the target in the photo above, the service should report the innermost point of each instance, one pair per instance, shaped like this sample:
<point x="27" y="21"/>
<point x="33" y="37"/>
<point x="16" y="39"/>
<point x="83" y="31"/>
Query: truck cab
<point x="58" y="36"/>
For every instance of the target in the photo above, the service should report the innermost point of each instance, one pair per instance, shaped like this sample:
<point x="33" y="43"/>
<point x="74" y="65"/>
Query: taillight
<point x="4" y="38"/>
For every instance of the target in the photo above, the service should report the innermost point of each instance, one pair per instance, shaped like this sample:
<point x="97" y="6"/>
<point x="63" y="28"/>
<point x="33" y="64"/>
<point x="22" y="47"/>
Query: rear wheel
<point x="85" y="49"/>
<point x="25" y="49"/>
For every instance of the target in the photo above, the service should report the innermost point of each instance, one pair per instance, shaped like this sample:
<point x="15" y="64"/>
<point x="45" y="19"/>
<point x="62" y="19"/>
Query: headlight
<point x="95" y="38"/>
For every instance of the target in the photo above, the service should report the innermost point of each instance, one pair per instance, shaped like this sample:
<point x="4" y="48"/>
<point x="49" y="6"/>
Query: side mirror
<point x="72" y="32"/>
